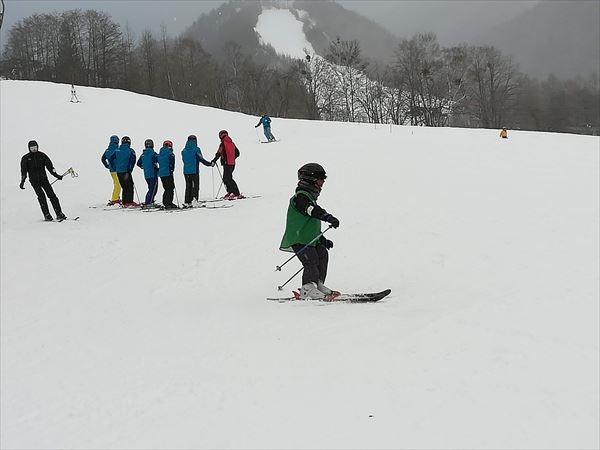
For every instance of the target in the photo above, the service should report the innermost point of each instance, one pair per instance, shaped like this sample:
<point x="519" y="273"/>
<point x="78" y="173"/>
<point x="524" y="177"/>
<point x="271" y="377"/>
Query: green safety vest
<point x="299" y="228"/>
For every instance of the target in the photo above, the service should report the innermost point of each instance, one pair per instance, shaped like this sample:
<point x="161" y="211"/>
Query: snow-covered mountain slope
<point x="127" y="329"/>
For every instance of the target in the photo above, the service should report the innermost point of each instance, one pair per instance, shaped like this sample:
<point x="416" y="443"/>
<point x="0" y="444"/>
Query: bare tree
<point x="165" y="57"/>
<point x="148" y="47"/>
<point x="493" y="86"/>
<point x="348" y="68"/>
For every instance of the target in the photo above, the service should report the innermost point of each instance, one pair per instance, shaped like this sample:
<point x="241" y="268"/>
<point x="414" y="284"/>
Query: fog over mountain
<point x="543" y="36"/>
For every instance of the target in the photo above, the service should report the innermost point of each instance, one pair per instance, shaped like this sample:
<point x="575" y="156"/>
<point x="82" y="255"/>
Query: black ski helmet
<point x="32" y="144"/>
<point x="311" y="172"/>
<point x="222" y="134"/>
<point x="125" y="140"/>
<point x="192" y="137"/>
<point x="149" y="143"/>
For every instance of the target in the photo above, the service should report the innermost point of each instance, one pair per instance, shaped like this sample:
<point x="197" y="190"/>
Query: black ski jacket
<point x="35" y="164"/>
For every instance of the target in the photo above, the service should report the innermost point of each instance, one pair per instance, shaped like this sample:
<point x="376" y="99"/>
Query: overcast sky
<point x="449" y="19"/>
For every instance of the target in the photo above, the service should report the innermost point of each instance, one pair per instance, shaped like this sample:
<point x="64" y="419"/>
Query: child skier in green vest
<point x="303" y="225"/>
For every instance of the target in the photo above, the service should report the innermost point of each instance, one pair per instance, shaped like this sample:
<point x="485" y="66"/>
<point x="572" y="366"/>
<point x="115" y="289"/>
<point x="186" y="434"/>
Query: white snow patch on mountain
<point x="283" y="31"/>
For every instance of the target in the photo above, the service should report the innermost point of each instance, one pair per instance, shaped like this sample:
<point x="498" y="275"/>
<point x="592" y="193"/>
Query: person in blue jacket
<point x="148" y="161"/>
<point x="123" y="160"/>
<point x="166" y="167"/>
<point x="112" y="147"/>
<point x="192" y="157"/>
<point x="266" y="123"/>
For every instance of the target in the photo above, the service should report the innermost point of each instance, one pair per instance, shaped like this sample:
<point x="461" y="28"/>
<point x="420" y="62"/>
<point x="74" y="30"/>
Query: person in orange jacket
<point x="228" y="152"/>
<point x="504" y="133"/>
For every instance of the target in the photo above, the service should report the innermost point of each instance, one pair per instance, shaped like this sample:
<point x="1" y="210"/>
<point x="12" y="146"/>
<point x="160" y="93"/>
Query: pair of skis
<point x="370" y="297"/>
<point x="62" y="220"/>
<point x="189" y="208"/>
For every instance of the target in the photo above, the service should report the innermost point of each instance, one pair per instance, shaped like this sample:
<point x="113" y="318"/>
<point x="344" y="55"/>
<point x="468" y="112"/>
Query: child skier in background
<point x="106" y="157"/>
<point x="303" y="225"/>
<point x="166" y="167"/>
<point x="148" y="161"/>
<point x="192" y="157"/>
<point x="123" y="160"/>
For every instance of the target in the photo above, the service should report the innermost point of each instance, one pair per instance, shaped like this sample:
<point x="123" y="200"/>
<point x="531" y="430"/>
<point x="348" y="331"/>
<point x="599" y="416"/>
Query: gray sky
<point x="451" y="20"/>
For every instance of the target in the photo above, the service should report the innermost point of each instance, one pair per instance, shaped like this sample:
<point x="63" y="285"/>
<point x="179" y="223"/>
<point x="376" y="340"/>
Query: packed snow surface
<point x="127" y="329"/>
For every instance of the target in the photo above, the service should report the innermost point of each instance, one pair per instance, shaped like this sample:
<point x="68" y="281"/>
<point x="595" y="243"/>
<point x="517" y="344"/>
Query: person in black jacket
<point x="35" y="164"/>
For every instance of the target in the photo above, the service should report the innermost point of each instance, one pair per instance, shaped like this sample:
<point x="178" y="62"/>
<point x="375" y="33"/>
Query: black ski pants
<point x="230" y="184"/>
<point x="169" y="187"/>
<point x="42" y="188"/>
<point x="152" y="190"/>
<point x="314" y="260"/>
<point x="126" y="182"/>
<point x="192" y="186"/>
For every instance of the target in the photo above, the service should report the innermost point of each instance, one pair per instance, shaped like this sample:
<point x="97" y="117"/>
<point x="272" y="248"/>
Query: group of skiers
<point x="302" y="234"/>
<point x="120" y="160"/>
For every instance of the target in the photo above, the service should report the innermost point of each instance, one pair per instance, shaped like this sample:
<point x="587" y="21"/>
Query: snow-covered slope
<point x="127" y="329"/>
<point x="280" y="29"/>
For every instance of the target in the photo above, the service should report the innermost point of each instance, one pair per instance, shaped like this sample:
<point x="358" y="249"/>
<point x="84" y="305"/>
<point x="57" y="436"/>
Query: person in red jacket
<point x="228" y="152"/>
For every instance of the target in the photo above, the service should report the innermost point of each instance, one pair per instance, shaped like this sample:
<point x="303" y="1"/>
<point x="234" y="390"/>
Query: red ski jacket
<point x="226" y="152"/>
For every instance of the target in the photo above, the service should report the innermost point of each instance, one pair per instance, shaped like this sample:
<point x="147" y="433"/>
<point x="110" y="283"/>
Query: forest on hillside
<point x="425" y="83"/>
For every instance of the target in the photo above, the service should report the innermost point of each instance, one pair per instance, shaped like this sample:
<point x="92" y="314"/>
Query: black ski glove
<point x="332" y="220"/>
<point x="22" y="184"/>
<point x="326" y="243"/>
<point x="58" y="177"/>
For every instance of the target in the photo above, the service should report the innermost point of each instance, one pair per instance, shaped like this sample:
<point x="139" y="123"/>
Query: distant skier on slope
<point x="34" y="164"/>
<point x="192" y="157"/>
<point x="106" y="156"/>
<point x="504" y="133"/>
<point x="265" y="120"/>
<point x="228" y="152"/>
<point x="303" y="225"/>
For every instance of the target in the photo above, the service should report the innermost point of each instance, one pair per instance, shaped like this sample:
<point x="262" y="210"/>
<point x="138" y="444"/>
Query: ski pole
<point x="176" y="196"/>
<point x="278" y="268"/>
<point x="136" y="192"/>
<point x="69" y="171"/>
<point x="222" y="181"/>
<point x="280" y="288"/>
<point x="213" y="180"/>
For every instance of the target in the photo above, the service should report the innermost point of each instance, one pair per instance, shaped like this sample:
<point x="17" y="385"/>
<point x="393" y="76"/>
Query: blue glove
<point x="332" y="220"/>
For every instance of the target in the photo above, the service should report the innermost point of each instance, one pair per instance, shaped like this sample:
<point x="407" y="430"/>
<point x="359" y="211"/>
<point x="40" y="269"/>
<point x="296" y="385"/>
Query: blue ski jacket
<point x="148" y="161"/>
<point x="112" y="147"/>
<point x="166" y="162"/>
<point x="192" y="157"/>
<point x="265" y="121"/>
<point x="124" y="159"/>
